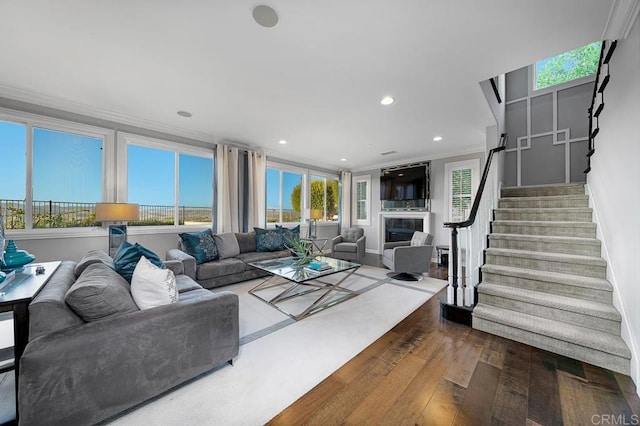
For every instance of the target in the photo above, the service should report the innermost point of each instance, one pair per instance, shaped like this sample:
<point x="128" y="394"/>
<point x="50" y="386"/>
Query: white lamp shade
<point x="116" y="212"/>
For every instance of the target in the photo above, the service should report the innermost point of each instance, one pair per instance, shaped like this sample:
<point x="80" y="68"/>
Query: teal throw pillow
<point x="289" y="234"/>
<point x="127" y="258"/>
<point x="268" y="239"/>
<point x="200" y="245"/>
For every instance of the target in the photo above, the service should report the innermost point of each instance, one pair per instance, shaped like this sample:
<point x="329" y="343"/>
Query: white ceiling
<point x="315" y="79"/>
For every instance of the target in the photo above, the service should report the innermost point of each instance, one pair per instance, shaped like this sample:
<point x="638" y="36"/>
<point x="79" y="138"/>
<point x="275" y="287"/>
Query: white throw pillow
<point x="152" y="286"/>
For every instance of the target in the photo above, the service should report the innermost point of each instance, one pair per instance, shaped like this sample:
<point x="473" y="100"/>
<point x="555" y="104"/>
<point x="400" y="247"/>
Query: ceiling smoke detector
<point x="265" y="16"/>
<point x="186" y="114"/>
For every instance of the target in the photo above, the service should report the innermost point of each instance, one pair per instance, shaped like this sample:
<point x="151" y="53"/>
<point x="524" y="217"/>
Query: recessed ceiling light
<point x="437" y="139"/>
<point x="265" y="16"/>
<point x="387" y="100"/>
<point x="282" y="142"/>
<point x="184" y="114"/>
<point x="343" y="159"/>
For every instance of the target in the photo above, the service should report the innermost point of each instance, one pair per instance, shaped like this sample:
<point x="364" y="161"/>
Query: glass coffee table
<point x="291" y="288"/>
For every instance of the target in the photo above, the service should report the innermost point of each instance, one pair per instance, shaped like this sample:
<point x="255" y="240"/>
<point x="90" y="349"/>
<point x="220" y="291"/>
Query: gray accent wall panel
<point x="542" y="114"/>
<point x="516" y="115"/>
<point x="573" y="104"/>
<point x="544" y="163"/>
<point x="510" y="170"/>
<point x="578" y="152"/>
<point x="517" y="84"/>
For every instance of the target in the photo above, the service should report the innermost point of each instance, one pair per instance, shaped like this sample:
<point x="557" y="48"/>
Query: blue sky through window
<point x="13" y="172"/>
<point x="289" y="181"/>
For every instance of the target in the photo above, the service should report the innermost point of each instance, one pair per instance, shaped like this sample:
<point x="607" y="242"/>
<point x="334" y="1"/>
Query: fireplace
<point x="400" y="229"/>
<point x="400" y="225"/>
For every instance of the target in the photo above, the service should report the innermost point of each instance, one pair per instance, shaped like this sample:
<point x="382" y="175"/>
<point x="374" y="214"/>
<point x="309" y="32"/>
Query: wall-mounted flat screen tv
<point x="404" y="184"/>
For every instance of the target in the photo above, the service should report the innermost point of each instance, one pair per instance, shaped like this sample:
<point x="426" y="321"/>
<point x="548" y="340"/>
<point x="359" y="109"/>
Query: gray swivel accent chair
<point x="409" y="259"/>
<point x="349" y="245"/>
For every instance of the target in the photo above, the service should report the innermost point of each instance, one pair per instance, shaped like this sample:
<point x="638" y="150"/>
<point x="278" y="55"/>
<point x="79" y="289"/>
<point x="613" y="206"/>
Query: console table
<point x="15" y="296"/>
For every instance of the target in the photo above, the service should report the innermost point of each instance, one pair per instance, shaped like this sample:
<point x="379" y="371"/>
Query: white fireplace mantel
<point x="427" y="222"/>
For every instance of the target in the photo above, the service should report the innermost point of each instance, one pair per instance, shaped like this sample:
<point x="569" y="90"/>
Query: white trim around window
<point x="474" y="165"/>
<point x="361" y="216"/>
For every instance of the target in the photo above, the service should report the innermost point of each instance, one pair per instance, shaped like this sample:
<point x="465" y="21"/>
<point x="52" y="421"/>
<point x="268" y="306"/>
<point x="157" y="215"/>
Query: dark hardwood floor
<point x="431" y="372"/>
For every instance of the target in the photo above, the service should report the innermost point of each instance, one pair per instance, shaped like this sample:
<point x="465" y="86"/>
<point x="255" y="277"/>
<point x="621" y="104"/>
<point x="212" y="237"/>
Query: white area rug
<point x="281" y="359"/>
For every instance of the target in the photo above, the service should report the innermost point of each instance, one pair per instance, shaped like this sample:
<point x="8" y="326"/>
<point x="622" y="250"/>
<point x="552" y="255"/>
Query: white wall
<point x="613" y="183"/>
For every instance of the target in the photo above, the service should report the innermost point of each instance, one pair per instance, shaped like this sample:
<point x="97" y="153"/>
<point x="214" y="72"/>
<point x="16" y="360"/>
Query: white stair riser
<point x="592" y="356"/>
<point x="558" y="216"/>
<point x="549" y="287"/>
<point x="546" y="247"/>
<point x="546" y="191"/>
<point x="570" y="317"/>
<point x="526" y="203"/>
<point x="555" y="230"/>
<point x="585" y="270"/>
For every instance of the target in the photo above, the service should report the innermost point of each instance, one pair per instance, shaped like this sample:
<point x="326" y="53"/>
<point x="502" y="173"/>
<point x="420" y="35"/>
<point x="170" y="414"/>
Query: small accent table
<point x="15" y="296"/>
<point x="317" y="244"/>
<point x="443" y="255"/>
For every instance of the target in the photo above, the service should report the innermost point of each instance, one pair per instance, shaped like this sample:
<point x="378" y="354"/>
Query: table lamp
<point x="116" y="212"/>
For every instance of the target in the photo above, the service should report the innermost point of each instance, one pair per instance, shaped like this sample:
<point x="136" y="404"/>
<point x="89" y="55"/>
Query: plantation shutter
<point x="461" y="193"/>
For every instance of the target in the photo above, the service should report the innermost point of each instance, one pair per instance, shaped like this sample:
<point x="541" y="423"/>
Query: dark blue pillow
<point x="289" y="234"/>
<point x="268" y="239"/>
<point x="127" y="258"/>
<point x="200" y="245"/>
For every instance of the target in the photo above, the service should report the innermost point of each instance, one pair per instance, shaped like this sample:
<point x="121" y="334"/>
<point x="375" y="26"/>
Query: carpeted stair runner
<point x="544" y="282"/>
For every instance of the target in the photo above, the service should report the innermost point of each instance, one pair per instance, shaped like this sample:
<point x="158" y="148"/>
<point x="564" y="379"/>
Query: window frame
<point x="474" y="165"/>
<point x="282" y="168"/>
<point x="32" y="121"/>
<point x="367" y="180"/>
<point x="125" y="139"/>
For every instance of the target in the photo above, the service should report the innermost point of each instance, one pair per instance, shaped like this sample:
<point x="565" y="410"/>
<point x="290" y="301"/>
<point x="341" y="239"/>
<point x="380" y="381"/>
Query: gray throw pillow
<point x="227" y="244"/>
<point x="93" y="256"/>
<point x="100" y="292"/>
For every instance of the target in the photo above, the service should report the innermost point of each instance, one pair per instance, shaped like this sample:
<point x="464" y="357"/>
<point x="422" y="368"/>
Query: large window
<point x="362" y="199"/>
<point x="66" y="175"/>
<point x="173" y="185"/>
<point x="581" y="62"/>
<point x="324" y="198"/>
<point x="284" y="196"/>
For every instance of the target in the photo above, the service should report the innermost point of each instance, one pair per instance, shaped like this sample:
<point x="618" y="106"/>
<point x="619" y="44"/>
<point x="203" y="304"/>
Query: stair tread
<point x="546" y="197"/>
<point x="545" y="223"/>
<point x="548" y="256"/>
<point x="546" y="209"/>
<point x="546" y="238"/>
<point x="547" y="276"/>
<point x="575" y="334"/>
<point x="546" y="185"/>
<point x="567" y="303"/>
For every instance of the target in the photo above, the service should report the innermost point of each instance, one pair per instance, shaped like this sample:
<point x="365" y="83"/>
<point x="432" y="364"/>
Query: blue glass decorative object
<point x="14" y="259"/>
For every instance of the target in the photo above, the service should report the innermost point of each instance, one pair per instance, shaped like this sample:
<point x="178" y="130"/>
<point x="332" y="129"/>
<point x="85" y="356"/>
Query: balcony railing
<point x="64" y="214"/>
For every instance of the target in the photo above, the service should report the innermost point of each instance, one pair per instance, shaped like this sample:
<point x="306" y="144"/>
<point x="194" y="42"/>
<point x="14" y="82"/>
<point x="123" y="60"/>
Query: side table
<point x="316" y="244"/>
<point x="15" y="296"/>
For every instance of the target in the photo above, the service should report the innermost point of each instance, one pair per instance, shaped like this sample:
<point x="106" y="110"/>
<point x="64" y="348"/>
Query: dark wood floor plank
<point x="510" y="404"/>
<point x="494" y="351"/>
<point x="577" y="400"/>
<point x="410" y="405"/>
<point x="381" y="399"/>
<point x="606" y="391"/>
<point x="361" y="362"/>
<point x="477" y="404"/>
<point x="443" y="405"/>
<point x="543" y="406"/>
<point x="628" y="389"/>
<point x="466" y="358"/>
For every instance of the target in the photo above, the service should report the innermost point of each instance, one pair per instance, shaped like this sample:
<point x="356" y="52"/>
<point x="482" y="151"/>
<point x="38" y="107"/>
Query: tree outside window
<point x="568" y="66"/>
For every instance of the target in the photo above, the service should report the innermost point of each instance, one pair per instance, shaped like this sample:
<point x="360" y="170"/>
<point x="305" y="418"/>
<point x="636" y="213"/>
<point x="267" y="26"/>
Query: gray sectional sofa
<point x="227" y="270"/>
<point x="78" y="372"/>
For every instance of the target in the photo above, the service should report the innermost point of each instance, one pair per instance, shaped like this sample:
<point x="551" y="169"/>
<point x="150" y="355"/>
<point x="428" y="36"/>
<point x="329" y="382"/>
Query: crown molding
<point x="622" y="16"/>
<point x="66" y="105"/>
